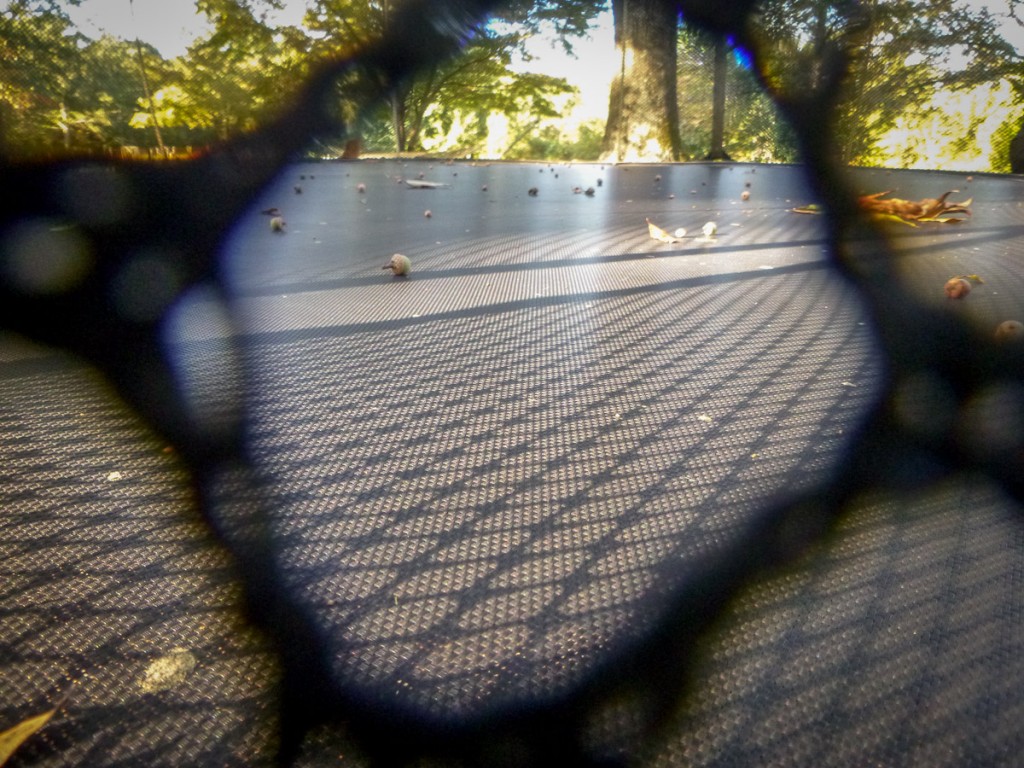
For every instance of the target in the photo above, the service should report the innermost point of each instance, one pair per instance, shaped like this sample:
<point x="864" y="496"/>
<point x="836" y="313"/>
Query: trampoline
<point x="492" y="479"/>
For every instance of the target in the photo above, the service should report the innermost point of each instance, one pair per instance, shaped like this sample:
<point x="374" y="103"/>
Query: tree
<point x="106" y="90"/>
<point x="751" y="127"/>
<point x="38" y="52"/>
<point x="228" y="81"/>
<point x="468" y="89"/>
<point x="461" y="91"/>
<point x="718" y="100"/>
<point x="904" y="52"/>
<point x="643" y="121"/>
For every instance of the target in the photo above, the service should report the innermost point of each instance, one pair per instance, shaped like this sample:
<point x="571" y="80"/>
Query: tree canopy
<point x="930" y="81"/>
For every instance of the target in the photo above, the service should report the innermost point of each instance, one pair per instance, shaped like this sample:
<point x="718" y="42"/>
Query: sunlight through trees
<point x="935" y="84"/>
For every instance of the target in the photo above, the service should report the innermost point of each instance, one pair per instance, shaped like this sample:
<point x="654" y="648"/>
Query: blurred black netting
<point x="643" y="463"/>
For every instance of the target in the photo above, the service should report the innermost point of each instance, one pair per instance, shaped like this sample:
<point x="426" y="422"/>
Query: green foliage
<point x="906" y="52"/>
<point x="239" y="74"/>
<point x="445" y="108"/>
<point x="563" y="19"/>
<point x="915" y="62"/>
<point x="552" y="142"/>
<point x="38" y="53"/>
<point x="107" y="90"/>
<point x="754" y="130"/>
<point x="999" y="156"/>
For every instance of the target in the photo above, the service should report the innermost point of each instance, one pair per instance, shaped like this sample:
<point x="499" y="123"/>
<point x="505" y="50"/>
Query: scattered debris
<point x="277" y="224"/>
<point x="14" y="737"/>
<point x="811" y="209"/>
<point x="1010" y="330"/>
<point x="532" y="191"/>
<point x="960" y="285"/>
<point x="710" y="230"/>
<point x="659" y="234"/>
<point x="427" y="214"/>
<point x="360" y="188"/>
<point x="907" y="212"/>
<point x="420" y="184"/>
<point x="910" y="212"/>
<point x="399" y="265"/>
<point x="957" y="288"/>
<point x="168" y="671"/>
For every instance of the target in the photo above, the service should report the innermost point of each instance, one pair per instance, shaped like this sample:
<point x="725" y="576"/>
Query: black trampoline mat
<point x="487" y="476"/>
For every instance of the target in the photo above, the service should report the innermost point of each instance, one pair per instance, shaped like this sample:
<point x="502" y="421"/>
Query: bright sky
<point x="171" y="25"/>
<point x="168" y="25"/>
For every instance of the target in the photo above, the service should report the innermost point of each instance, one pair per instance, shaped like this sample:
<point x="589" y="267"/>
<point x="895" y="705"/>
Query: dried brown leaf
<point x="908" y="211"/>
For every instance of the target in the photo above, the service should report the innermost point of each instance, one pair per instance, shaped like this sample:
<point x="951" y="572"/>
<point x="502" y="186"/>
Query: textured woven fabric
<point x="488" y="478"/>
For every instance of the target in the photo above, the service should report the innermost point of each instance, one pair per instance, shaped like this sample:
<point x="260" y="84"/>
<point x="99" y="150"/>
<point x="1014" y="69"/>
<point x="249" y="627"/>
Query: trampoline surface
<point x="489" y="477"/>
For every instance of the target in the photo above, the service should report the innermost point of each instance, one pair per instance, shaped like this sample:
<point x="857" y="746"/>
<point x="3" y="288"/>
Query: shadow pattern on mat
<point x="526" y="533"/>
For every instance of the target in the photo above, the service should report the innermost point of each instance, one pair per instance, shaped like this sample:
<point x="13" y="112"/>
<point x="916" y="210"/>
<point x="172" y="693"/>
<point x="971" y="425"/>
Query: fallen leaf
<point x="420" y="184"/>
<point x="972" y="278"/>
<point x="14" y="737"/>
<point x="659" y="234"/>
<point x="910" y="212"/>
<point x="907" y="212"/>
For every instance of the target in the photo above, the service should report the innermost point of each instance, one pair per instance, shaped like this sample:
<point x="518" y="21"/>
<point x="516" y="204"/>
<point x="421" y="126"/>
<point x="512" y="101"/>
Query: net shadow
<point x="570" y="499"/>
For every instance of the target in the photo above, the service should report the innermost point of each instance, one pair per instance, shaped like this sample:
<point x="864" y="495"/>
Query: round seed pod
<point x="957" y="288"/>
<point x="1010" y="330"/>
<point x="399" y="264"/>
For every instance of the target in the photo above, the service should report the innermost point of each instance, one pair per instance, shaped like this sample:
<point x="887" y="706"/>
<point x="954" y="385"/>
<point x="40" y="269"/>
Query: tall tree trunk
<point x="718" y="101"/>
<point x="643" y="113"/>
<point x="1017" y="152"/>
<point x="398" y="120"/>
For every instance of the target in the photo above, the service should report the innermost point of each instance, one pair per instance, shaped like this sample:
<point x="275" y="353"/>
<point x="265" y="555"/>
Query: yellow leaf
<point x="892" y="217"/>
<point x="13" y="738"/>
<point x="659" y="234"/>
